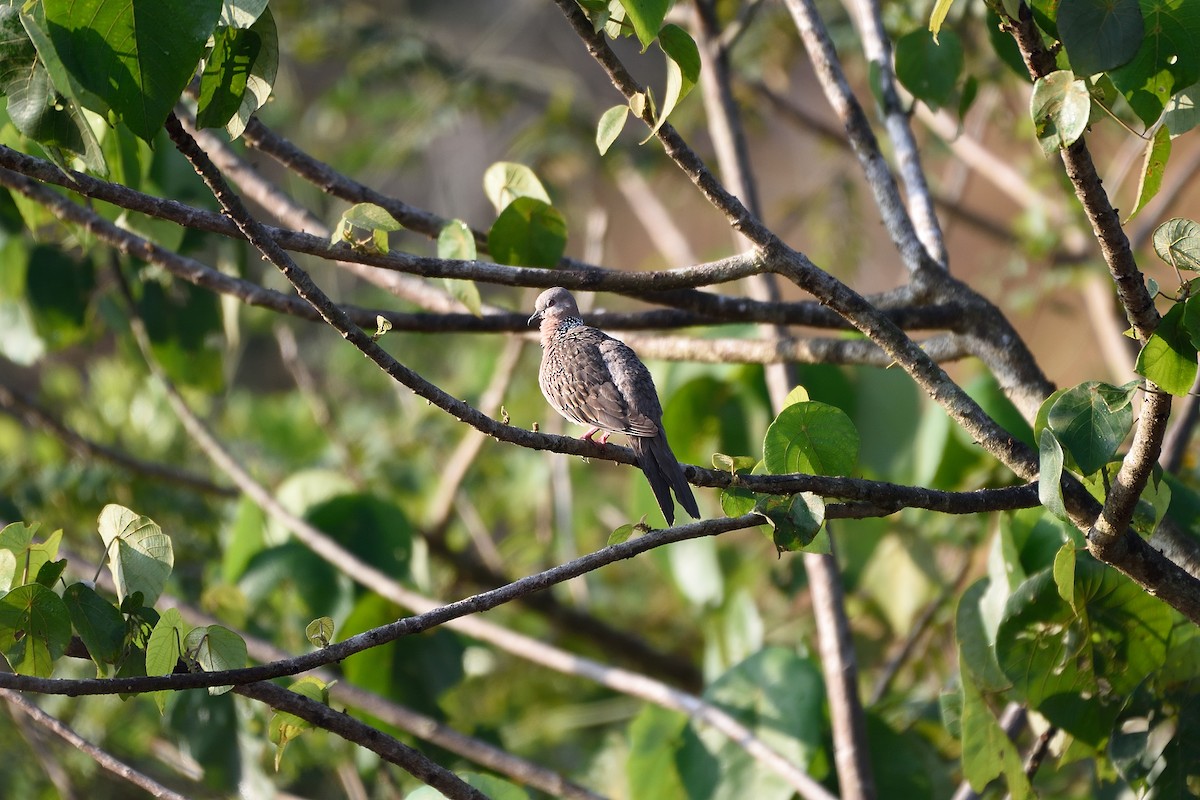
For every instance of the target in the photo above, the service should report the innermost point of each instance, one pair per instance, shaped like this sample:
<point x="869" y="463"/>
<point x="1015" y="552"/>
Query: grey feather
<point x="594" y="380"/>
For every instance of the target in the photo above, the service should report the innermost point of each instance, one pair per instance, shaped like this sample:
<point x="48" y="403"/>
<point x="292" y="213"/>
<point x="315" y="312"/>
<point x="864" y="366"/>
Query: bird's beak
<point x="534" y="317"/>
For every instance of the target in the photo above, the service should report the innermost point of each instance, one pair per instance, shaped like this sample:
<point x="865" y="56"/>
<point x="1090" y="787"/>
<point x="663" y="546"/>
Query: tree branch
<point x="362" y="734"/>
<point x="878" y="50"/>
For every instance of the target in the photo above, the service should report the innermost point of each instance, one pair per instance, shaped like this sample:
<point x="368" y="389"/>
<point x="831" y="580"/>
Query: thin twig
<point x="389" y="748"/>
<point x="103" y="758"/>
<point x="21" y="406"/>
<point x="858" y="130"/>
<point x="878" y="50"/>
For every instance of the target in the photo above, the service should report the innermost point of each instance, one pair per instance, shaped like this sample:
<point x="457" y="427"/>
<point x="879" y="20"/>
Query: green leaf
<point x="976" y="649"/>
<point x="795" y="520"/>
<point x="1050" y="469"/>
<point x="284" y="726"/>
<point x="165" y="646"/>
<point x="528" y="233"/>
<point x="135" y="55"/>
<point x="186" y="332"/>
<point x="798" y="394"/>
<point x="261" y="80"/>
<point x="1177" y="242"/>
<point x="242" y="13"/>
<point x="647" y="17"/>
<point x="1091" y="420"/>
<point x="1169" y="357"/>
<point x="320" y="631"/>
<point x="938" y="16"/>
<point x="31" y="563"/>
<point x="505" y="181"/>
<point x="656" y="736"/>
<point x="164" y="649"/>
<point x="35" y="628"/>
<point x="780" y="696"/>
<point x="139" y="553"/>
<point x="99" y="624"/>
<point x="1077" y="665"/>
<point x="1167" y="61"/>
<point x="811" y="437"/>
<point x="226" y="73"/>
<point x="49" y="573"/>
<point x="987" y="752"/>
<point x="73" y="96"/>
<point x="59" y="288"/>
<point x="456" y="242"/>
<point x="370" y="217"/>
<point x="1154" y="166"/>
<point x="737" y="500"/>
<point x="8" y="570"/>
<point x="216" y="649"/>
<point x="1183" y="112"/>
<point x="620" y="535"/>
<point x="612" y="122"/>
<point x="34" y="105"/>
<point x="683" y="70"/>
<point x="1060" y="107"/>
<point x="1064" y="573"/>
<point x="929" y="68"/>
<point x="1153" y="743"/>
<point x="1099" y="35"/>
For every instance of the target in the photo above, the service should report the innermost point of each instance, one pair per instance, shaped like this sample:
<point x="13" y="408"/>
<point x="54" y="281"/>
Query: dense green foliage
<point x="124" y="567"/>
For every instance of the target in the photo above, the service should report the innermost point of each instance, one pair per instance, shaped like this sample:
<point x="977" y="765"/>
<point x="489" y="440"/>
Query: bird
<point x="596" y="381"/>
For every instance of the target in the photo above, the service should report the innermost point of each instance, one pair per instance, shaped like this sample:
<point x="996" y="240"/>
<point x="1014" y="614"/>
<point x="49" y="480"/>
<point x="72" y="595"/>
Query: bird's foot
<point x="603" y="436"/>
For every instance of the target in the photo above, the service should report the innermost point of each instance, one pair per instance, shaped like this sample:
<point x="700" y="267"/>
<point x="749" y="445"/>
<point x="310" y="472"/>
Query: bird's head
<point x="554" y="305"/>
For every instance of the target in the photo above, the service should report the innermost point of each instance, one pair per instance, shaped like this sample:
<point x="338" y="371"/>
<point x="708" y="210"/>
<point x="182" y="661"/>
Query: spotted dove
<point x="594" y="380"/>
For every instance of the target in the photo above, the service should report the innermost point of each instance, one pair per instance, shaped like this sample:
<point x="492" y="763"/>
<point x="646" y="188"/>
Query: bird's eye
<point x="549" y="303"/>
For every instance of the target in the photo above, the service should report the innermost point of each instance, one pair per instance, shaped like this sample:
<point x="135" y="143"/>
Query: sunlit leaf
<point x="320" y="631"/>
<point x="683" y="70"/>
<point x="1154" y="166"/>
<point x="1060" y="107"/>
<point x="1167" y="61"/>
<point x="261" y="80"/>
<point x="164" y="649"/>
<point x="1177" y="242"/>
<point x="1169" y="357"/>
<point x="1050" y="469"/>
<point x="647" y="17"/>
<point x="612" y="122"/>
<point x="505" y="181"/>
<point x="215" y="649"/>
<point x="226" y="74"/>
<point x="35" y="628"/>
<point x="136" y="55"/>
<point x="811" y="437"/>
<point x="139" y="553"/>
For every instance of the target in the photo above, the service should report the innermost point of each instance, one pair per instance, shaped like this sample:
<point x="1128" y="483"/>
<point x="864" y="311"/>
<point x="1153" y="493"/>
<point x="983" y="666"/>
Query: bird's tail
<point x="664" y="474"/>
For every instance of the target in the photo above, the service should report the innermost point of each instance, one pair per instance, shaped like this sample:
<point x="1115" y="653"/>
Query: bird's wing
<point x="588" y="380"/>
